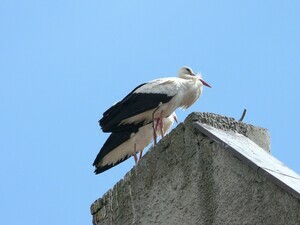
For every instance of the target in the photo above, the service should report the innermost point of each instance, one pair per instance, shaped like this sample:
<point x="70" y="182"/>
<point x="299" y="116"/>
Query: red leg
<point x="154" y="136"/>
<point x="154" y="126"/>
<point x="162" y="129"/>
<point x="141" y="154"/>
<point x="161" y="125"/>
<point x="157" y="123"/>
<point x="134" y="155"/>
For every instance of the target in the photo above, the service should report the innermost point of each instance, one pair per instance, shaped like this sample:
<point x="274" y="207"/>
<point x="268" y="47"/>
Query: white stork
<point x="154" y="100"/>
<point x="121" y="145"/>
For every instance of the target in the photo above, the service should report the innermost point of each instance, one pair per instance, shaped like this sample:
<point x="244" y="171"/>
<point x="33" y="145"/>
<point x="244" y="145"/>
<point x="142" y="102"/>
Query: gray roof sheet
<point x="254" y="156"/>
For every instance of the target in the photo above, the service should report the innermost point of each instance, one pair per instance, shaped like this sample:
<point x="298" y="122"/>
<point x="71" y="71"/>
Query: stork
<point x="153" y="101"/>
<point x="121" y="145"/>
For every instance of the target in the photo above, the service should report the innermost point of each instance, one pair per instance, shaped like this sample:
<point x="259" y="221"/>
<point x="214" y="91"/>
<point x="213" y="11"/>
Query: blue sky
<point x="63" y="63"/>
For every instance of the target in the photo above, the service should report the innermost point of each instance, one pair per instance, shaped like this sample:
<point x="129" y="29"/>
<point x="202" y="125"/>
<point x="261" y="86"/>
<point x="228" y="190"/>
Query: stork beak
<point x="204" y="83"/>
<point x="175" y="118"/>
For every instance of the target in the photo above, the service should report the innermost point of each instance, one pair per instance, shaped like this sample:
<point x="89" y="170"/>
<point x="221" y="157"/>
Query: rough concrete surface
<point x="188" y="179"/>
<point x="258" y="135"/>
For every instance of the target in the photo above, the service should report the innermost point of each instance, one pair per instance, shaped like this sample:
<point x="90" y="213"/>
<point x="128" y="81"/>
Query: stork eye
<point x="189" y="71"/>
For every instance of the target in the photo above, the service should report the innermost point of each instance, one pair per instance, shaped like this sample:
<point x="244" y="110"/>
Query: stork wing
<point x="111" y="144"/>
<point x="113" y="141"/>
<point x="145" y="97"/>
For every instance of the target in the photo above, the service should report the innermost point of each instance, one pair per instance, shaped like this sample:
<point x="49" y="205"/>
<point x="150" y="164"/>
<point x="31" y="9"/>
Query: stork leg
<point x="161" y="125"/>
<point x="134" y="155"/>
<point x="154" y="137"/>
<point x="154" y="126"/>
<point x="141" y="154"/>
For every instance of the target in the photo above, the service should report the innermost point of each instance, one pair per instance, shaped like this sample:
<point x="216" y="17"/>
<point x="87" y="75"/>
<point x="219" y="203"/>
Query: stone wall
<point x="188" y="179"/>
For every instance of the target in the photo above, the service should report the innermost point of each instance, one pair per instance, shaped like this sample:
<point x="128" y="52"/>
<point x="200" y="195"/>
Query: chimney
<point x="210" y="169"/>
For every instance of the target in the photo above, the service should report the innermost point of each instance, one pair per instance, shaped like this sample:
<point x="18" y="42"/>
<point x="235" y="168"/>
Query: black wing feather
<point x="106" y="113"/>
<point x="113" y="141"/>
<point x="107" y="167"/>
<point x="133" y="104"/>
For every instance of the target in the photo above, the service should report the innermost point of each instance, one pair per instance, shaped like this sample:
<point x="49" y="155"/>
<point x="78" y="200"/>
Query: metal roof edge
<point x="273" y="175"/>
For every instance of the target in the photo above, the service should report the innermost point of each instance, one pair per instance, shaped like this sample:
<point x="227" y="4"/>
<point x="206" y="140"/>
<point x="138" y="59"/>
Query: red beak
<point x="204" y="83"/>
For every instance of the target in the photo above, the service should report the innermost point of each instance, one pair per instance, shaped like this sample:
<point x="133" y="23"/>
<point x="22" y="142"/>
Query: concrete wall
<point x="187" y="179"/>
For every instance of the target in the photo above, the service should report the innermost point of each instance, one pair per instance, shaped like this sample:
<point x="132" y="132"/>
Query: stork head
<point x="187" y="73"/>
